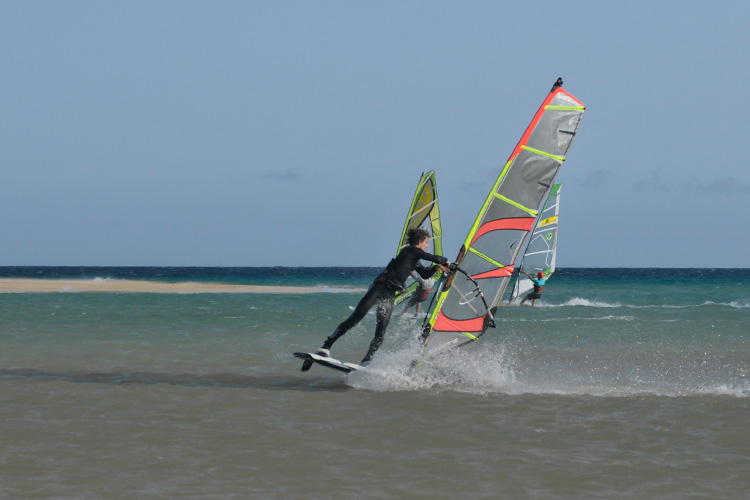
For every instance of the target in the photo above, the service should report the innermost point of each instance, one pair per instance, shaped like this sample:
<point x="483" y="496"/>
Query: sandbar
<point x="28" y="285"/>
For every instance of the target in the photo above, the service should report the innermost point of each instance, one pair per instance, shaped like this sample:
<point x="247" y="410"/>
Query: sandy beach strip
<point x="23" y="285"/>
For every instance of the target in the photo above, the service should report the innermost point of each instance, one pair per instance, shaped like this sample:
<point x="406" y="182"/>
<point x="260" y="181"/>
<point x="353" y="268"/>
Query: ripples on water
<point x="619" y="384"/>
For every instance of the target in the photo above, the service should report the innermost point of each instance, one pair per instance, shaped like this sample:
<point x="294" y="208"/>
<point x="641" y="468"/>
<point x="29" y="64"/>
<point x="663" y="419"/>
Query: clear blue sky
<point x="293" y="133"/>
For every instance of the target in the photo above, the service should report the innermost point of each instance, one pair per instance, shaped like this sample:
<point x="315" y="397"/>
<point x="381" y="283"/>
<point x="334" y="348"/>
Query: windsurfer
<point x="383" y="290"/>
<point x="538" y="282"/>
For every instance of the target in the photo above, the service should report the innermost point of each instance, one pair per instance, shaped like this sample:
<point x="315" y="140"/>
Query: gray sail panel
<point x="529" y="179"/>
<point x="506" y="219"/>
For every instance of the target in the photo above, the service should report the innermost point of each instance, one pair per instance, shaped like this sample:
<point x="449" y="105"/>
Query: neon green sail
<point x="424" y="213"/>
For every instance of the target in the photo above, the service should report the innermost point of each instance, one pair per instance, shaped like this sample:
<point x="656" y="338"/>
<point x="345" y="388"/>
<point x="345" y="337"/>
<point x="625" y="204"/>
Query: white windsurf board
<point x="329" y="362"/>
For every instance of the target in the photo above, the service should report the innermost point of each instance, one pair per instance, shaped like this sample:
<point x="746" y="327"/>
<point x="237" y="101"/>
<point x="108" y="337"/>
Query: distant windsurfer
<point x="383" y="290"/>
<point x="421" y="294"/>
<point x="536" y="293"/>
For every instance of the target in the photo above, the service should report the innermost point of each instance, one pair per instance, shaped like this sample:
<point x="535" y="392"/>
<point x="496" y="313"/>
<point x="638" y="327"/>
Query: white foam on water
<point x="574" y="318"/>
<point x="479" y="371"/>
<point x="580" y="302"/>
<point x="494" y="369"/>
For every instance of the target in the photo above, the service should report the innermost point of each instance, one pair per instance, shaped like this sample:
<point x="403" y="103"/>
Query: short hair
<point x="416" y="235"/>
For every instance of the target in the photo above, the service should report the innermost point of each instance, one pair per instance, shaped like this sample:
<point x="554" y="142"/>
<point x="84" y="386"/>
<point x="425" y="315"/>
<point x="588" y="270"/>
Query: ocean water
<point x="620" y="383"/>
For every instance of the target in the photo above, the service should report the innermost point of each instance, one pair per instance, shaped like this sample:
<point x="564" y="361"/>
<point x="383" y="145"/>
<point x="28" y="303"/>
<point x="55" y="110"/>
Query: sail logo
<point x="425" y="197"/>
<point x="445" y="346"/>
<point x="547" y="222"/>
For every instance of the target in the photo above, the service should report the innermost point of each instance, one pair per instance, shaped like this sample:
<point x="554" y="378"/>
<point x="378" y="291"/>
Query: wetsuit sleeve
<point x="425" y="272"/>
<point x="438" y="259"/>
<point x="428" y="272"/>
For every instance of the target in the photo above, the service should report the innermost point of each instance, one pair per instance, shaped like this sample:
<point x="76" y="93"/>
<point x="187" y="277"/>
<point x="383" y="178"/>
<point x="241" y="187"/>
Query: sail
<point x="501" y="229"/>
<point x="424" y="212"/>
<point x="541" y="253"/>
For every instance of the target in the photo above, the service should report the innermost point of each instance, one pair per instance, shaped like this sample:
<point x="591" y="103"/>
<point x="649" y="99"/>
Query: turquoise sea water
<point x="620" y="383"/>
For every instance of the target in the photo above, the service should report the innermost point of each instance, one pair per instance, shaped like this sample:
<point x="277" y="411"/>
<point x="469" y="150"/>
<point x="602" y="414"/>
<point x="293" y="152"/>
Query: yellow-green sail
<point x="425" y="213"/>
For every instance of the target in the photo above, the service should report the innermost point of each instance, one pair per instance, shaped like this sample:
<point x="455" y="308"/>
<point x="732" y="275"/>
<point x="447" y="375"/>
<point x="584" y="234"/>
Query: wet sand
<point x="21" y="285"/>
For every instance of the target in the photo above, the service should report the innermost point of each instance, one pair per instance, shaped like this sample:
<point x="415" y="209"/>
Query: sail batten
<point x="529" y="211"/>
<point x="501" y="230"/>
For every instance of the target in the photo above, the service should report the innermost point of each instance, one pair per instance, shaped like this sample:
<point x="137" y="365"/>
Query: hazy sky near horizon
<point x="293" y="133"/>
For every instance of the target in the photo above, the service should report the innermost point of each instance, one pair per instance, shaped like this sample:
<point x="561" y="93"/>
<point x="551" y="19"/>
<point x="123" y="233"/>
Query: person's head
<point x="428" y="284"/>
<point x="418" y="237"/>
<point x="540" y="274"/>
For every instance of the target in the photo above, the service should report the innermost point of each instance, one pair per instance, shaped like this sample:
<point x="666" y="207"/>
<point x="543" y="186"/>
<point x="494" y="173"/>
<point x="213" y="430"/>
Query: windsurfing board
<point x="329" y="362"/>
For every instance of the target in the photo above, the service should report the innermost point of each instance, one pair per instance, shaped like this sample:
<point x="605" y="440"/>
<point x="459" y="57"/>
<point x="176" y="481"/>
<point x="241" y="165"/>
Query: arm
<point x="441" y="264"/>
<point x="425" y="272"/>
<point x="437" y="259"/>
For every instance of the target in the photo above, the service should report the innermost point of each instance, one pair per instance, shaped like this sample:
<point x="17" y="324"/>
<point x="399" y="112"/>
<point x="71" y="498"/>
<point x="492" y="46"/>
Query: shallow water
<point x="618" y="384"/>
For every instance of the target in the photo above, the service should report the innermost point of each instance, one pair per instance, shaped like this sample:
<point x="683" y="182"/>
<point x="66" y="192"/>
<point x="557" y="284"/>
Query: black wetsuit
<point x="383" y="292"/>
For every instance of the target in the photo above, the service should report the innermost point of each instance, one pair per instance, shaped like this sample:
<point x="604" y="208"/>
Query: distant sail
<point x="541" y="253"/>
<point x="503" y="225"/>
<point x="424" y="212"/>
